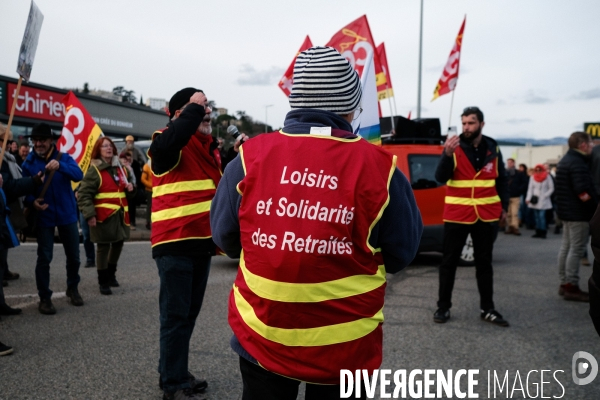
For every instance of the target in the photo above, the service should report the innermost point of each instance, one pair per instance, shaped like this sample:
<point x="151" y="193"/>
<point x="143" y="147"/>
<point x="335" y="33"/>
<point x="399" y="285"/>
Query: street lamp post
<point x="420" y="62"/>
<point x="266" y="109"/>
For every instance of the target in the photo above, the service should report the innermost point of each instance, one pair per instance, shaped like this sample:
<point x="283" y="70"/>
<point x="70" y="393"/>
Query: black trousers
<point x="482" y="234"/>
<point x="260" y="384"/>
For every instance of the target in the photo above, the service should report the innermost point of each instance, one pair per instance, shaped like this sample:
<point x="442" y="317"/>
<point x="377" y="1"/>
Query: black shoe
<point x="557" y="230"/>
<point x="111" y="279"/>
<point x="46" y="307"/>
<point x="494" y="317"/>
<point x="197" y="385"/>
<point x="441" y="316"/>
<point x="103" y="279"/>
<point x="537" y="234"/>
<point x="90" y="264"/>
<point x="10" y="276"/>
<point x="5" y="350"/>
<point x="75" y="297"/>
<point x="6" y="310"/>
<point x="4" y="283"/>
<point x="183" y="394"/>
<point x="105" y="289"/>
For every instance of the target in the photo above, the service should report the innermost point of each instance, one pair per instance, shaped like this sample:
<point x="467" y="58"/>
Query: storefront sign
<point x="593" y="128"/>
<point x="36" y="103"/>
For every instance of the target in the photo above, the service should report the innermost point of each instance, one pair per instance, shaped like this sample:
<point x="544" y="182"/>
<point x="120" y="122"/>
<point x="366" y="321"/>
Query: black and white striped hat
<point x="325" y="80"/>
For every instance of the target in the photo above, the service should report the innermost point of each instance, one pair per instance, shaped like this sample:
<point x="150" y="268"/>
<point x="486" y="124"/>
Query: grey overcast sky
<point x="532" y="66"/>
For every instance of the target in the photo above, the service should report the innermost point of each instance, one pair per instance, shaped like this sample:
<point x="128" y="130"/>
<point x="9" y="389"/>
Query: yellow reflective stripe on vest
<point x="111" y="195"/>
<point x="321" y="336"/>
<point x="185" y="186"/>
<point x="472" y="183"/>
<point x="311" y="292"/>
<point x="111" y="206"/>
<point x="472" y="202"/>
<point x="181" y="211"/>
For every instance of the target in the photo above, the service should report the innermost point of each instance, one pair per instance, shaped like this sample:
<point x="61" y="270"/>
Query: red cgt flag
<point x="285" y="83"/>
<point x="447" y="82"/>
<point x="355" y="42"/>
<point x="79" y="133"/>
<point x="385" y="90"/>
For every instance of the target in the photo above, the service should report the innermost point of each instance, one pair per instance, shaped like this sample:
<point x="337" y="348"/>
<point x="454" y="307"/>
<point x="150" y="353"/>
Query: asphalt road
<point x="108" y="349"/>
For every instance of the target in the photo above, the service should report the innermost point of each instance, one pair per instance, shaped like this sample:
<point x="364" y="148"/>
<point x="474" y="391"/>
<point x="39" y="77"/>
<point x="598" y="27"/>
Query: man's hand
<point x="38" y="179"/>
<point x="53" y="165"/>
<point x="129" y="187"/>
<point x="199" y="98"/>
<point x="1" y="181"/>
<point x="92" y="222"/>
<point x="451" y="145"/>
<point x="37" y="204"/>
<point x="240" y="140"/>
<point x="503" y="216"/>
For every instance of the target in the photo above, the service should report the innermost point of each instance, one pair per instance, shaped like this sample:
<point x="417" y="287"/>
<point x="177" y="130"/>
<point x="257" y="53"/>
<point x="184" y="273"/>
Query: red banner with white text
<point x="355" y="42"/>
<point x="79" y="133"/>
<point x="285" y="83"/>
<point x="447" y="82"/>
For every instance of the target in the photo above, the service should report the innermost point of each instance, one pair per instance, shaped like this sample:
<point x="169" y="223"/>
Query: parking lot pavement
<point x="108" y="349"/>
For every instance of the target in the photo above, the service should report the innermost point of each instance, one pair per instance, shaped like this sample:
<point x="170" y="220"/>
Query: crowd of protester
<point x="185" y="165"/>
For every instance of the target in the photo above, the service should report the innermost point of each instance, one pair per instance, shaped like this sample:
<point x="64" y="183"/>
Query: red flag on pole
<point x="285" y="83"/>
<point x="447" y="82"/>
<point x="79" y="133"/>
<point x="384" y="91"/>
<point x="355" y="42"/>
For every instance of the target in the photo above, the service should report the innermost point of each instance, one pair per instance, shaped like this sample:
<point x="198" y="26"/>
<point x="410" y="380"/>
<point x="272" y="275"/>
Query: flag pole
<point x="451" y="104"/>
<point x="10" y="119"/>
<point x="420" y="62"/>
<point x="387" y="91"/>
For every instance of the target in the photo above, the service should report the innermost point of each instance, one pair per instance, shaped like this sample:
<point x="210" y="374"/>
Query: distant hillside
<point x="534" y="142"/>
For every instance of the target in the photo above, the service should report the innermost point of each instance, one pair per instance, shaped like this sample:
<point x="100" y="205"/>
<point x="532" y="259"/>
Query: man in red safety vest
<point x="476" y="199"/>
<point x="317" y="216"/>
<point x="186" y="170"/>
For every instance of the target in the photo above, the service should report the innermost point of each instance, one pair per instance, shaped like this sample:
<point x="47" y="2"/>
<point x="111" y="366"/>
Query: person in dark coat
<point x="517" y="187"/>
<point x="576" y="200"/>
<point x="15" y="187"/>
<point x="594" y="282"/>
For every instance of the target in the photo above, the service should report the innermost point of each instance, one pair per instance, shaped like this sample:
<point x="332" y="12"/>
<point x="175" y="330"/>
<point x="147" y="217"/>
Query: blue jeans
<point x="182" y="285"/>
<point x="69" y="235"/>
<point x="88" y="246"/>
<point x="540" y="219"/>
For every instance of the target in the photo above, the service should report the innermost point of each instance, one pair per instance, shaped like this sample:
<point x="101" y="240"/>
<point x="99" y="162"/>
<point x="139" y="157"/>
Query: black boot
<point x="543" y="233"/>
<point x="103" y="279"/>
<point x="537" y="234"/>
<point x="112" y="280"/>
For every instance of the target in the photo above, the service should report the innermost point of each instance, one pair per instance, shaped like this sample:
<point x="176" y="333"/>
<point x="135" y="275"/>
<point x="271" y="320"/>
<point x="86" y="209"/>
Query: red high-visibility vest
<point x="181" y="197"/>
<point x="110" y="197"/>
<point x="472" y="195"/>
<point x="308" y="297"/>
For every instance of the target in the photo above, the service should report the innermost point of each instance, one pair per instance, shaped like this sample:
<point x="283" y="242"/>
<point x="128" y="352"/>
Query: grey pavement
<point x="108" y="349"/>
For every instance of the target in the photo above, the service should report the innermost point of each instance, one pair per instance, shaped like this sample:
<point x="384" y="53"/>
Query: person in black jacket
<point x="15" y="186"/>
<point x="517" y="187"/>
<point x="576" y="200"/>
<point x="594" y="282"/>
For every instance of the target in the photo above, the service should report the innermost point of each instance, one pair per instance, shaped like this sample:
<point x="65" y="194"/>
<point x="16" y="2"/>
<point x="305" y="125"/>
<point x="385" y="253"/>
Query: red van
<point x="418" y="160"/>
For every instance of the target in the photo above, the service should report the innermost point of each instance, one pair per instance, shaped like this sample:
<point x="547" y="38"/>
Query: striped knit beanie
<point x="325" y="80"/>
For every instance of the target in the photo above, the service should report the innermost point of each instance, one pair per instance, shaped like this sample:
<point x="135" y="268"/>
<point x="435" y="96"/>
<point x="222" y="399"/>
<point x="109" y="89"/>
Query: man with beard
<point x="186" y="171"/>
<point x="476" y="198"/>
<point x="57" y="209"/>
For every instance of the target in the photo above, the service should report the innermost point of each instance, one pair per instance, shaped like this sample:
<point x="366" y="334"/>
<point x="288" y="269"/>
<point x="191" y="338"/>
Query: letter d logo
<point x="584" y="366"/>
